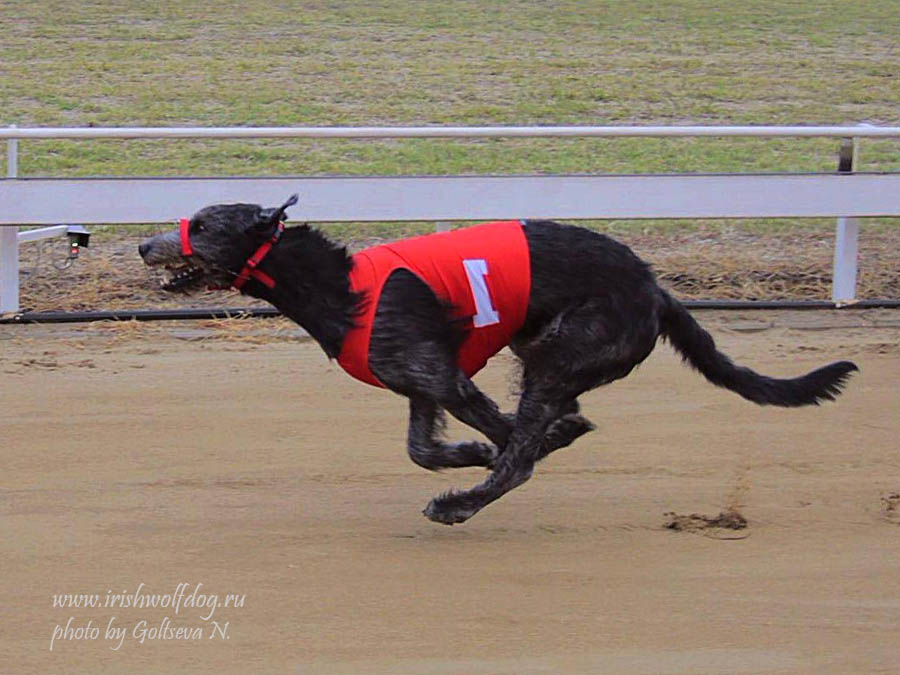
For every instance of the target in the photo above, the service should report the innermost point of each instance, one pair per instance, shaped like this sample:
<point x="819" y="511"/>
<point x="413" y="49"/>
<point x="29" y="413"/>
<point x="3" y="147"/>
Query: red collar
<point x="250" y="268"/>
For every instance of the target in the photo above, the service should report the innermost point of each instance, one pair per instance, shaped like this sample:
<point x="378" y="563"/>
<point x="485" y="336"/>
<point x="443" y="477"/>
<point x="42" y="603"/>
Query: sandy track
<point x="262" y="470"/>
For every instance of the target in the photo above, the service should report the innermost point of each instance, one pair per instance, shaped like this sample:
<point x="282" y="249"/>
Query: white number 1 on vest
<point x="476" y="271"/>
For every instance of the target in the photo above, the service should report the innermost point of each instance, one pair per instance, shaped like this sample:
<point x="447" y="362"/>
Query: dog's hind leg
<point x="428" y="450"/>
<point x="471" y="406"/>
<point x="580" y="349"/>
<point x="565" y="429"/>
<point x="513" y="467"/>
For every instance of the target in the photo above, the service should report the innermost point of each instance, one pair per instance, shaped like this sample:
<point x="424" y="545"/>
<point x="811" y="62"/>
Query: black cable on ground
<point x="140" y="315"/>
<point x="266" y="312"/>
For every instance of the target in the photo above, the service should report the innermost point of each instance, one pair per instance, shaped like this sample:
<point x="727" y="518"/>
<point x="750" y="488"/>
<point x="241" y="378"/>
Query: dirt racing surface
<point x="230" y="501"/>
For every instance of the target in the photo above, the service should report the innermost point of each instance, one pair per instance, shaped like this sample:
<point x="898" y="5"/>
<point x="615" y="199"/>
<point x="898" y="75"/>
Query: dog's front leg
<point x="467" y="403"/>
<point x="471" y="406"/>
<point x="425" y="448"/>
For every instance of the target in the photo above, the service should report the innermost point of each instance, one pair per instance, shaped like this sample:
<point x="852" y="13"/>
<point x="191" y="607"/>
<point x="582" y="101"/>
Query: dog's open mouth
<point x="182" y="277"/>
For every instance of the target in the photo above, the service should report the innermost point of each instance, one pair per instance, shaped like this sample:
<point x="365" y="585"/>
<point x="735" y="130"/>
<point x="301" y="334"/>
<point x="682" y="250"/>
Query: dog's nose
<point x="143" y="249"/>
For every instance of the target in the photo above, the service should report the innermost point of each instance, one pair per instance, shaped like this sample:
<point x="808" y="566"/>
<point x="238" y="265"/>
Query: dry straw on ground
<point x="721" y="263"/>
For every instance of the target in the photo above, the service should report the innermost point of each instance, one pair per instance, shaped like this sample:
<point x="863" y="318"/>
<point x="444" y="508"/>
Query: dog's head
<point x="220" y="239"/>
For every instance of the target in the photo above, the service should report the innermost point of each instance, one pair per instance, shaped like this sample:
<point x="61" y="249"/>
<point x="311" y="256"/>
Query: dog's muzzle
<point x="250" y="268"/>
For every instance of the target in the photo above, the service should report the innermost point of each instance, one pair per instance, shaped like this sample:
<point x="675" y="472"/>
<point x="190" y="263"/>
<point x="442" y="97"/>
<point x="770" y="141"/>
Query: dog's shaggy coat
<point x="595" y="312"/>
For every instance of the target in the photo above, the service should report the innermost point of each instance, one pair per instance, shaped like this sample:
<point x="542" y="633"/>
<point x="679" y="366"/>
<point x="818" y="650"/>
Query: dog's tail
<point x="697" y="348"/>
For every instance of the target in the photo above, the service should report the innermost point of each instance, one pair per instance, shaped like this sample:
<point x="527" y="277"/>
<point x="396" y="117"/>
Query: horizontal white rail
<point x="862" y="131"/>
<point x="38" y="201"/>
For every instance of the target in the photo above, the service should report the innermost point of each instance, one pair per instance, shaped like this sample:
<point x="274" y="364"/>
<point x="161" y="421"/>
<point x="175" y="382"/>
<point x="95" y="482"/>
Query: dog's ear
<point x="268" y="219"/>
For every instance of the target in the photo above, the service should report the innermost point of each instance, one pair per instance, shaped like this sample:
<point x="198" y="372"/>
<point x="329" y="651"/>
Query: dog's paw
<point x="473" y="453"/>
<point x="449" y="509"/>
<point x="566" y="429"/>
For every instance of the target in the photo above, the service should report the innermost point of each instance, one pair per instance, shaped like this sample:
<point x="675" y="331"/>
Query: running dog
<point x="421" y="316"/>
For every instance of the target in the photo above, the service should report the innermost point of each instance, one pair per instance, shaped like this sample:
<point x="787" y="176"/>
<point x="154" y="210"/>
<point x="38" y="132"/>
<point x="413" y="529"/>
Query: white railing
<point x="862" y="131"/>
<point x="845" y="194"/>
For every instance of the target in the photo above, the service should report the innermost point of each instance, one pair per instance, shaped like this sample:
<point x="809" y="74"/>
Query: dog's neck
<point x="312" y="285"/>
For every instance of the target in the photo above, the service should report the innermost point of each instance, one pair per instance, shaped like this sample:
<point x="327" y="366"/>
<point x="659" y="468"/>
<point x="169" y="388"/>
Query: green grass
<point x="394" y="62"/>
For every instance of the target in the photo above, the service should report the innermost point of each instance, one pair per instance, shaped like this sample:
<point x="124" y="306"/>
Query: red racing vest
<point x="482" y="272"/>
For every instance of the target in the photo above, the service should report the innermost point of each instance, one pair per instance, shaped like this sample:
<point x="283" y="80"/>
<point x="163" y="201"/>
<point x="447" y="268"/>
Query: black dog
<point x="594" y="312"/>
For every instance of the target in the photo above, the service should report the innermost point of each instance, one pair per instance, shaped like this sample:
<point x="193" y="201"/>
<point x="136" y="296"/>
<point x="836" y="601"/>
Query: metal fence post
<point x="9" y="242"/>
<point x="846" y="241"/>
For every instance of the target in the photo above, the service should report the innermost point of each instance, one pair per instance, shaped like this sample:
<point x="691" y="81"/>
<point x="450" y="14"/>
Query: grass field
<point x="261" y="63"/>
<point x="397" y="63"/>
